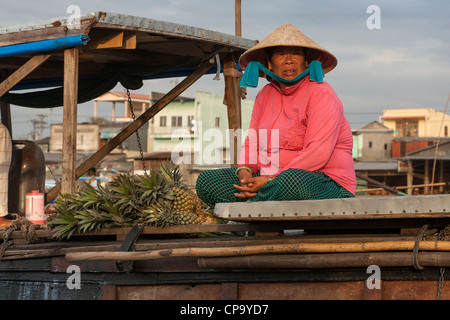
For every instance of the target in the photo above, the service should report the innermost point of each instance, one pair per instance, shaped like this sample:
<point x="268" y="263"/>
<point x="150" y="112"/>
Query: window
<point x="446" y="131"/>
<point x="370" y="144"/>
<point x="217" y="122"/>
<point x="177" y="121"/>
<point x="162" y="121"/>
<point x="407" y="128"/>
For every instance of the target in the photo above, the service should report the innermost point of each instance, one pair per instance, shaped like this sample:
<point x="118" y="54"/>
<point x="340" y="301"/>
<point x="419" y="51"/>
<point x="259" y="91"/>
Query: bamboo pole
<point x="405" y="187"/>
<point x="260" y="249"/>
<point x="324" y="261"/>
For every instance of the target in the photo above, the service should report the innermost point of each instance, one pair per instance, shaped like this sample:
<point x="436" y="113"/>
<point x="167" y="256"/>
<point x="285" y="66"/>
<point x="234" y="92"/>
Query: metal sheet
<point x="163" y="49"/>
<point x="127" y="22"/>
<point x="350" y="208"/>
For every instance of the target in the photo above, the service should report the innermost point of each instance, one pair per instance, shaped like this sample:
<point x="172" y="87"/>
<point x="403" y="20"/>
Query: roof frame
<point x="127" y="41"/>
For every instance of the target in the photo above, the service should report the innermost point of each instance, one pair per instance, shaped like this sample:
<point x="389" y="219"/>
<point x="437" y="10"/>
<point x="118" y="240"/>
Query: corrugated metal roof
<point x="63" y="26"/>
<point x="377" y="165"/>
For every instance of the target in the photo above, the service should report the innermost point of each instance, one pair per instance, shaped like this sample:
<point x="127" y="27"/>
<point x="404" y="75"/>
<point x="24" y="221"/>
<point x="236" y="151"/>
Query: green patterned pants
<point x="216" y="186"/>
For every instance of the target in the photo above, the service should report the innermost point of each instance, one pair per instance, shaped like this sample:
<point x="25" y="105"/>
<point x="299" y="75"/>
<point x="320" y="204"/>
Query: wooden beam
<point x="71" y="59"/>
<point x="22" y="72"/>
<point x="135" y="125"/>
<point x="105" y="38"/>
<point x="377" y="183"/>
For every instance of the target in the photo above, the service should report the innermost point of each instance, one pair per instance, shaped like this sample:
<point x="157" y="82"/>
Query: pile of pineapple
<point x="159" y="198"/>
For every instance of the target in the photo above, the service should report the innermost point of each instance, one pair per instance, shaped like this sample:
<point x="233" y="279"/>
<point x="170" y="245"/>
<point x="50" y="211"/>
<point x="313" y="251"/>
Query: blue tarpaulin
<point x="45" y="45"/>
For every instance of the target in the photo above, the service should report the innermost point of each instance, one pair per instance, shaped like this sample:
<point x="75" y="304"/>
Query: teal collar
<point x="251" y="74"/>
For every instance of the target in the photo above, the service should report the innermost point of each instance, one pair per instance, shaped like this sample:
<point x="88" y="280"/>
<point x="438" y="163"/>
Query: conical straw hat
<point x="288" y="35"/>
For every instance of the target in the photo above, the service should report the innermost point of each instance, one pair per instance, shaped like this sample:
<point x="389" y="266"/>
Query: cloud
<point x="405" y="63"/>
<point x="387" y="57"/>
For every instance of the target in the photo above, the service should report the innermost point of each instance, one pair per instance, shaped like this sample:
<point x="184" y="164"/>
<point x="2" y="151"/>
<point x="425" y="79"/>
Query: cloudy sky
<point x="405" y="63"/>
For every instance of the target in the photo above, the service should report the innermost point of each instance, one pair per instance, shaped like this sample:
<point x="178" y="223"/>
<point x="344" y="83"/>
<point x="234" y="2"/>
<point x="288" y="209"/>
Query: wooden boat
<point x="350" y="249"/>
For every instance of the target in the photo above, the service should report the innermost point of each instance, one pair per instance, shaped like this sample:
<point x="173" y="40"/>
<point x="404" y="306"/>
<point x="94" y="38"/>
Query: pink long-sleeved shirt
<point x="304" y="128"/>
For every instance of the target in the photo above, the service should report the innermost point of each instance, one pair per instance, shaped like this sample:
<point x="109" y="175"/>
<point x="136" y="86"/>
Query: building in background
<point x="192" y="131"/>
<point x="372" y="142"/>
<point x="425" y="122"/>
<point x="198" y="129"/>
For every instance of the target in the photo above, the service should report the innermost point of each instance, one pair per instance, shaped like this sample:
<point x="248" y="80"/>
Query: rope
<point x="26" y="228"/>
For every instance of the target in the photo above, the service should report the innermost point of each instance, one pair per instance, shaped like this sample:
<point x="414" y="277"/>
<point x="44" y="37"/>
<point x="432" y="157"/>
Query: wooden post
<point x="233" y="101"/>
<point x="113" y="117"/>
<point x="5" y="110"/>
<point x="95" y="109"/>
<point x="237" y="20"/>
<point x="409" y="179"/>
<point x="71" y="57"/>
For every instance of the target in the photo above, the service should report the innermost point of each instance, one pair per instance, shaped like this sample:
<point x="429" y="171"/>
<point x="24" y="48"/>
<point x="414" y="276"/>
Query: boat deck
<point x="293" y="250"/>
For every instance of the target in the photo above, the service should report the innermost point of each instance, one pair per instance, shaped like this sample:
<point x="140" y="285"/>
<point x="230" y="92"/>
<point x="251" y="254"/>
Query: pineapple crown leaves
<point x="172" y="173"/>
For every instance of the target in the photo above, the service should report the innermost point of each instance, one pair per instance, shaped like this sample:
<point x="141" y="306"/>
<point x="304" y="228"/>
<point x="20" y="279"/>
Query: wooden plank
<point x="344" y="290"/>
<point x="111" y="39"/>
<point x="71" y="59"/>
<point x="135" y="125"/>
<point x="413" y="290"/>
<point x="229" y="291"/>
<point x="104" y="39"/>
<point x="22" y="72"/>
<point x="129" y="40"/>
<point x="109" y="292"/>
<point x="170" y="292"/>
<point x="58" y="30"/>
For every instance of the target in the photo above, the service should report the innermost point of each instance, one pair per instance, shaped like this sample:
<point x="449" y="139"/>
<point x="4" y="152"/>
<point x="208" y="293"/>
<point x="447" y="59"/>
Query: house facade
<point x="197" y="130"/>
<point x="372" y="142"/>
<point x="425" y="122"/>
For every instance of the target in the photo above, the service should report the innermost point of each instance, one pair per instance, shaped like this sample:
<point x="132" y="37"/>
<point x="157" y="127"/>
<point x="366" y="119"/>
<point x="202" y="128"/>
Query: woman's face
<point x="287" y="62"/>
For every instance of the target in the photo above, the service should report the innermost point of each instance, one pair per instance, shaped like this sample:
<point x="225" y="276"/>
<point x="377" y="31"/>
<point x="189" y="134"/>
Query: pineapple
<point x="185" y="200"/>
<point x="157" y="199"/>
<point x="208" y="218"/>
<point x="186" y="218"/>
